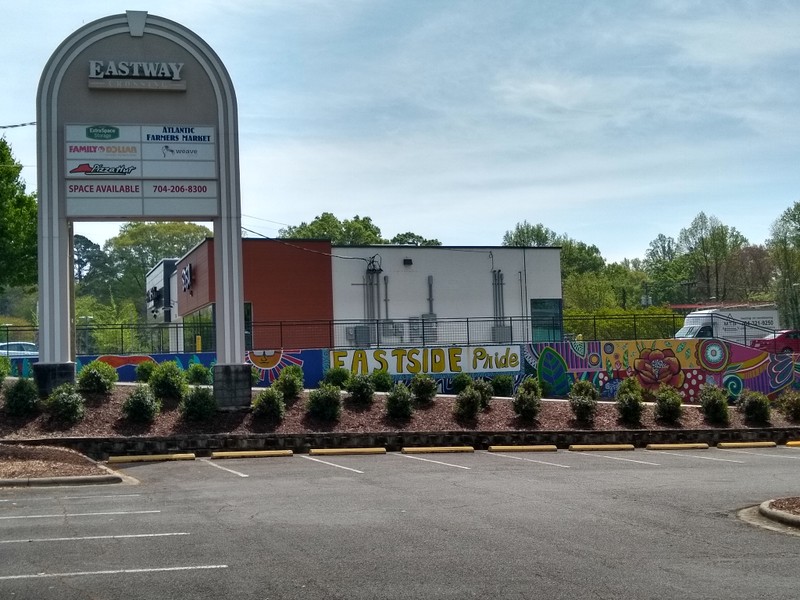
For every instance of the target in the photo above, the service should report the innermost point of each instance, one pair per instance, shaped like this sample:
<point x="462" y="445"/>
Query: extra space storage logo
<point x="102" y="132"/>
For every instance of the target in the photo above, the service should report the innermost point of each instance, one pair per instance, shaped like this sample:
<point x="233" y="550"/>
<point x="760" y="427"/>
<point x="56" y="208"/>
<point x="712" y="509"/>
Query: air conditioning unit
<point x="430" y="328"/>
<point x="501" y="334"/>
<point x="362" y="335"/>
<point x="350" y="333"/>
<point x="392" y="329"/>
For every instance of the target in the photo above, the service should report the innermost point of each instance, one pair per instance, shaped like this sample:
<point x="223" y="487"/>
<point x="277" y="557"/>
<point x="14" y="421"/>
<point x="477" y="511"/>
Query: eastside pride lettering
<point x="432" y="361"/>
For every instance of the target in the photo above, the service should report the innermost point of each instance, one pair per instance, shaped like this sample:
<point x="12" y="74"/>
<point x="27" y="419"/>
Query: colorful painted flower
<point x="654" y="367"/>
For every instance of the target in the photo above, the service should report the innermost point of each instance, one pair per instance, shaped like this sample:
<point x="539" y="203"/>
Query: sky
<point x="611" y="121"/>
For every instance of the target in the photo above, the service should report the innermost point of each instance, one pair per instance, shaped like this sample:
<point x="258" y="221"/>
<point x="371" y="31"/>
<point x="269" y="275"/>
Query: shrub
<point x="714" y="404"/>
<point x="503" y="386"/>
<point x="167" y="381"/>
<point x="755" y="406"/>
<point x="141" y="406"/>
<point x="199" y="405"/>
<point x="361" y="390"/>
<point x="583" y="400"/>
<point x="423" y="389"/>
<point x="337" y="376"/>
<point x="65" y="404"/>
<point x="325" y="403"/>
<point x="789" y="404"/>
<point x="630" y="407"/>
<point x="269" y="405"/>
<point x="485" y="391"/>
<point x="255" y="375"/>
<point x="97" y="378"/>
<point x="294" y="371"/>
<point x="528" y="399"/>
<point x="630" y="385"/>
<point x="144" y="370"/>
<point x="22" y="398"/>
<point x="382" y="380"/>
<point x="5" y="368"/>
<point x="460" y="382"/>
<point x="289" y="384"/>
<point x="669" y="404"/>
<point x="198" y="374"/>
<point x="468" y="403"/>
<point x="398" y="402"/>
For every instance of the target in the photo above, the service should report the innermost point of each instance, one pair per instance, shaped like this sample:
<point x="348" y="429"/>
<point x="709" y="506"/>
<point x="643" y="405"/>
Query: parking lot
<point x="642" y="524"/>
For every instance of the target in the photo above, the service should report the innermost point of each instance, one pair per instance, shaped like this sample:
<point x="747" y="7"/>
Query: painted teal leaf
<point x="552" y="370"/>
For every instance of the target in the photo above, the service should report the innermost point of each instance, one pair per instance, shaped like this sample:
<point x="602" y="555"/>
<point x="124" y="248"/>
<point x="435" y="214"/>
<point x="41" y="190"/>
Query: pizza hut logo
<point x="101" y="169"/>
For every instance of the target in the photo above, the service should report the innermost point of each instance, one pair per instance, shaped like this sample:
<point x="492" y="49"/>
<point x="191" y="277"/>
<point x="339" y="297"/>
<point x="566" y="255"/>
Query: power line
<point x="17" y="125"/>
<point x="285" y="243"/>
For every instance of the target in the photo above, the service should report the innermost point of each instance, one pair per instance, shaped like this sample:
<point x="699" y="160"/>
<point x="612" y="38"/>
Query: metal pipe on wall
<point x="386" y="295"/>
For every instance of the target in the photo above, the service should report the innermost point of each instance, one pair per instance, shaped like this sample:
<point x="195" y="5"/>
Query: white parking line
<point x="438" y="462"/>
<point x="759" y="454"/>
<point x="92" y="537"/>
<point x="115" y="572"/>
<point x="641" y="462"/>
<point x="330" y="464"/>
<point x="94" y="514"/>
<point x="211" y="464"/>
<point x="683" y="455"/>
<point x="541" y="462"/>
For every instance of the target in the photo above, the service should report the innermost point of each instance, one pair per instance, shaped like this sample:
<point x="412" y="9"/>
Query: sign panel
<point x="441" y="361"/>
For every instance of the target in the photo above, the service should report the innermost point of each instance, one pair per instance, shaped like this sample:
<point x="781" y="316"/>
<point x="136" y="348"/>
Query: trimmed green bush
<point x="668" y="404"/>
<point x="199" y="405"/>
<point x="789" y="404"/>
<point x="755" y="407"/>
<point x="423" y="389"/>
<point x="337" y="376"/>
<point x="325" y="403"/>
<point x="141" y="406"/>
<point x="630" y="407"/>
<point x="630" y="385"/>
<point x="583" y="400"/>
<point x="467" y="404"/>
<point x="361" y="390"/>
<point x="528" y="399"/>
<point x="255" y="375"/>
<point x="168" y="381"/>
<point x="503" y="386"/>
<point x="5" y="368"/>
<point x="97" y="378"/>
<point x="269" y="405"/>
<point x="22" y="398"/>
<point x="460" y="382"/>
<point x="398" y="402"/>
<point x="198" y="374"/>
<point x="714" y="404"/>
<point x="294" y="371"/>
<point x="382" y="380"/>
<point x="65" y="404"/>
<point x="289" y="384"/>
<point x="144" y="370"/>
<point x="485" y="391"/>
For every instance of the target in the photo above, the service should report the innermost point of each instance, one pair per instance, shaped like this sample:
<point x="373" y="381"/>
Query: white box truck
<point x="740" y="324"/>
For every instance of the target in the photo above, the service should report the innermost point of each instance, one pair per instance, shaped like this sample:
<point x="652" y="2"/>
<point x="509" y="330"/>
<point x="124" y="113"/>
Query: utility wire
<point x="17" y="125"/>
<point x="285" y="243"/>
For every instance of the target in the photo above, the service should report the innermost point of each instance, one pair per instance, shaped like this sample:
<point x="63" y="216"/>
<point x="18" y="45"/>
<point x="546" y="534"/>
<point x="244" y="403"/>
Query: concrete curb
<point x="778" y="515"/>
<point x="676" y="447"/>
<point x="724" y="445"/>
<point x="602" y="447"/>
<point x="252" y="454"/>
<point x="793" y="444"/>
<point x="437" y="449"/>
<point x="52" y="481"/>
<point x="344" y="451"/>
<point x="543" y="448"/>
<point x="150" y="458"/>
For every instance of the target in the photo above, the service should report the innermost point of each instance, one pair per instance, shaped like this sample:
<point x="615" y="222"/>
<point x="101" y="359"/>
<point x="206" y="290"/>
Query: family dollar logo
<point x="102" y="132"/>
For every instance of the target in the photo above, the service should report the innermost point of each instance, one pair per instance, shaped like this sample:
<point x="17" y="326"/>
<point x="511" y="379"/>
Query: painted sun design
<point x="271" y="362"/>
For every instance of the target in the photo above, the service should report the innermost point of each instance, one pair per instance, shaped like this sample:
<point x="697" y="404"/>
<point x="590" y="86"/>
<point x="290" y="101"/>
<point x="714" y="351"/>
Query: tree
<point x="784" y="247"/>
<point x="525" y="234"/>
<point x="667" y="271"/>
<point x="18" y="223"/>
<point x="413" y="239"/>
<point x="86" y="254"/>
<point x="358" y="231"/>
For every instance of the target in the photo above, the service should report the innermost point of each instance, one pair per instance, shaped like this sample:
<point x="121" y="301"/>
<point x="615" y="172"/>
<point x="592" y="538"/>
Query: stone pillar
<point x="232" y="385"/>
<point x="48" y="376"/>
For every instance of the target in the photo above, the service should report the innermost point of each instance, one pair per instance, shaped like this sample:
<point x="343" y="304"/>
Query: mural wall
<point x="683" y="364"/>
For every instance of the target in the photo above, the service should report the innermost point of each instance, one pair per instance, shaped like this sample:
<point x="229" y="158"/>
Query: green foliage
<point x="630" y="407"/>
<point x="755" y="407"/>
<point x="503" y="386"/>
<point x="269" y="405"/>
<point x="97" y="378"/>
<point x="423" y="389"/>
<point x="144" y="370"/>
<point x="485" y="391"/>
<point x="337" y="376"/>
<point x="18" y="224"/>
<point x="382" y="380"/>
<point x="289" y="384"/>
<point x="398" y="402"/>
<point x="198" y="374"/>
<point x="22" y="398"/>
<point x="714" y="404"/>
<point x="467" y="404"/>
<point x="528" y="400"/>
<point x="294" y="371"/>
<point x="789" y="404"/>
<point x="65" y="404"/>
<point x="255" y="375"/>
<point x="630" y="386"/>
<point x="358" y="231"/>
<point x="461" y="382"/>
<point x="612" y="324"/>
<point x="583" y="400"/>
<point x="325" y="403"/>
<point x="413" y="239"/>
<point x="5" y="368"/>
<point x="168" y="381"/>
<point x="668" y="404"/>
<point x="361" y="390"/>
<point x="199" y="405"/>
<point x="141" y="406"/>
